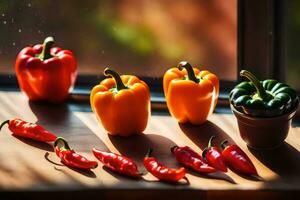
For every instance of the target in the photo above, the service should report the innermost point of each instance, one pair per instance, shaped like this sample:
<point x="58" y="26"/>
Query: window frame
<point x="263" y="23"/>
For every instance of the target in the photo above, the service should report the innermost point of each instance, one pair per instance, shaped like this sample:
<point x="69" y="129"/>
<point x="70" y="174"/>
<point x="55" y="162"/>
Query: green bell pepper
<point x="266" y="98"/>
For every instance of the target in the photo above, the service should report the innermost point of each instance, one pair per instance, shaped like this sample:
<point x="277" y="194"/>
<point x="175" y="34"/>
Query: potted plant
<point x="264" y="110"/>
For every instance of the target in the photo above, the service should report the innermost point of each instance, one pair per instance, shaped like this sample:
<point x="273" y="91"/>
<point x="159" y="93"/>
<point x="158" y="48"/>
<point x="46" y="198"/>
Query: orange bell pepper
<point x="191" y="94"/>
<point x="121" y="104"/>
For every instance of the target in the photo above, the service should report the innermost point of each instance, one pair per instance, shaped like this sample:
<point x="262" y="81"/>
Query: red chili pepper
<point x="162" y="172"/>
<point x="189" y="158"/>
<point x="29" y="130"/>
<point x="70" y="158"/>
<point x="237" y="159"/>
<point x="213" y="156"/>
<point x="117" y="163"/>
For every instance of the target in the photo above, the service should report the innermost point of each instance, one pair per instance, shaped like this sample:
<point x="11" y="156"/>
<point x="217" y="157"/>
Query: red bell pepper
<point x="46" y="73"/>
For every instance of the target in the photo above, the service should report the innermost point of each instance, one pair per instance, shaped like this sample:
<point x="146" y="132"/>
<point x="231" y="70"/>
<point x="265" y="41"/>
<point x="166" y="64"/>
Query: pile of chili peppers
<point x="231" y="156"/>
<point x="213" y="158"/>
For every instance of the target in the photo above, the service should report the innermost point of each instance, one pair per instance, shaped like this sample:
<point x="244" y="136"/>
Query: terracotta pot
<point x="264" y="133"/>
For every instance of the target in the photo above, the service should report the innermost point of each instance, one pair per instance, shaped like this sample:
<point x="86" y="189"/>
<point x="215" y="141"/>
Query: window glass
<point x="293" y="41"/>
<point x="143" y="37"/>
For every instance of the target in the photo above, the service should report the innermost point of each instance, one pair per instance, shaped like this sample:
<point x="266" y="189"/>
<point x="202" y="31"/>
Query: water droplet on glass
<point x="29" y="5"/>
<point x="14" y="44"/>
<point x="12" y="20"/>
<point x="20" y="30"/>
<point x="4" y="22"/>
<point x="39" y="31"/>
<point x="3" y="14"/>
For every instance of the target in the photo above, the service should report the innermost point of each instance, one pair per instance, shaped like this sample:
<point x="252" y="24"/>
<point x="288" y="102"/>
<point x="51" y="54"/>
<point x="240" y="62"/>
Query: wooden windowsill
<point x="24" y="169"/>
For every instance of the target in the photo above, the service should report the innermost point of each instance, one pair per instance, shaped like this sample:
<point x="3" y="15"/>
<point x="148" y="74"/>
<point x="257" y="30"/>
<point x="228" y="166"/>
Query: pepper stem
<point x="189" y="69"/>
<point x="61" y="139"/>
<point x="224" y="144"/>
<point x="119" y="83"/>
<point x="149" y="153"/>
<point x="47" y="45"/>
<point x="208" y="146"/>
<point x="3" y="123"/>
<point x="210" y="141"/>
<point x="259" y="88"/>
<point x="173" y="148"/>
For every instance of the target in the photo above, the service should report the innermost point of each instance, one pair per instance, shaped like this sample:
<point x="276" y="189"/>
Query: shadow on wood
<point x="59" y="119"/>
<point x="136" y="147"/>
<point x="48" y="113"/>
<point x="84" y="172"/>
<point x="119" y="175"/>
<point x="283" y="160"/>
<point x="200" y="134"/>
<point x="41" y="145"/>
<point x="216" y="175"/>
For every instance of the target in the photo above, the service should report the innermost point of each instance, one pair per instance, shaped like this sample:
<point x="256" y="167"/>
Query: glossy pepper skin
<point x="121" y="104"/>
<point x="162" y="172"/>
<point x="70" y="158"/>
<point x="191" y="159"/>
<point x="237" y="159"/>
<point x="191" y="94"/>
<point x="29" y="130"/>
<point x="117" y="163"/>
<point x="213" y="156"/>
<point x="45" y="73"/>
<point x="266" y="98"/>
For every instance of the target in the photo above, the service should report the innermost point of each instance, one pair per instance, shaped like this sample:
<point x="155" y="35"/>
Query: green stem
<point x="3" y="123"/>
<point x="210" y="141"/>
<point x="119" y="83"/>
<point x="224" y="144"/>
<point x="208" y="146"/>
<point x="259" y="88"/>
<point x="47" y="45"/>
<point x="173" y="148"/>
<point x="149" y="153"/>
<point x="189" y="69"/>
<point x="61" y="139"/>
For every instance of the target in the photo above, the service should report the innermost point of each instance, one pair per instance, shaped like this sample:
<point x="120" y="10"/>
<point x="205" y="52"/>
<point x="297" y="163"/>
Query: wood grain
<point x="24" y="169"/>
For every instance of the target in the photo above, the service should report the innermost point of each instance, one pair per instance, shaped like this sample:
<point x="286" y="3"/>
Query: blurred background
<point x="143" y="37"/>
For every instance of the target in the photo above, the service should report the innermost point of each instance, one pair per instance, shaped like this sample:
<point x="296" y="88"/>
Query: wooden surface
<point x="24" y="169"/>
